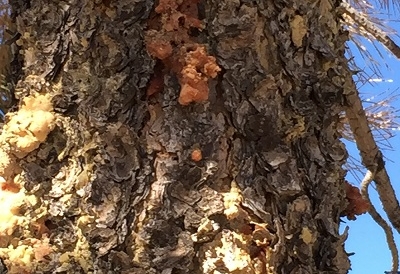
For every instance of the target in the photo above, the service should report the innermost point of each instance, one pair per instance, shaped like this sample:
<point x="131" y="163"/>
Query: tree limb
<point x="369" y="151"/>
<point x="373" y="160"/>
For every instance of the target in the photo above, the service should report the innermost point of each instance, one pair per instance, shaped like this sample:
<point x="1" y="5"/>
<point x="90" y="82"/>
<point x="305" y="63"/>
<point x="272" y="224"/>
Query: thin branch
<point x="369" y="177"/>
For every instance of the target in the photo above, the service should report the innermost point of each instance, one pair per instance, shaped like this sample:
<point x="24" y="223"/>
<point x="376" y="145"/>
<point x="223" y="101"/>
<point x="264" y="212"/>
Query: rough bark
<point x="132" y="178"/>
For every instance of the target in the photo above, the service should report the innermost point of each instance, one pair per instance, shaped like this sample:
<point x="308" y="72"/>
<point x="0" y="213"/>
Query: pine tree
<point x="182" y="137"/>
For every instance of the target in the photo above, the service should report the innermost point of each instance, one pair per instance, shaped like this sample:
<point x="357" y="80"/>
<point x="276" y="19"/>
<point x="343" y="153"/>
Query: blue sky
<point x="366" y="238"/>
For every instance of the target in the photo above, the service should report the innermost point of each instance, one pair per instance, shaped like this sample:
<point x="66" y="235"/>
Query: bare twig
<point x="369" y="177"/>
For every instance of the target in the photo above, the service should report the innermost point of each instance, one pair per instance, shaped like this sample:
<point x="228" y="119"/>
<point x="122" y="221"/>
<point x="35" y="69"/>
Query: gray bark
<point x="118" y="190"/>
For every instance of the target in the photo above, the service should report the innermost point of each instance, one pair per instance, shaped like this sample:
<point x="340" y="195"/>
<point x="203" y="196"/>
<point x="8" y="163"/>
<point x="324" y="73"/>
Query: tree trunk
<point x="158" y="137"/>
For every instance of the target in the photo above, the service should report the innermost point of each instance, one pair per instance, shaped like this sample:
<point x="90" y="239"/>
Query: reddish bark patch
<point x="170" y="41"/>
<point x="156" y="83"/>
<point x="356" y="204"/>
<point x="196" y="155"/>
<point x="10" y="187"/>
